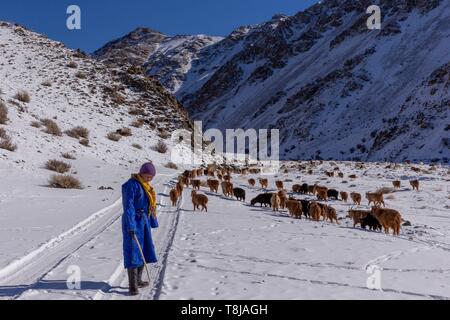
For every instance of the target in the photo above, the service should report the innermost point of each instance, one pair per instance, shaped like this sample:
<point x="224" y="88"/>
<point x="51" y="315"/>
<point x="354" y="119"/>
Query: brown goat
<point x="196" y="184"/>
<point x="264" y="183"/>
<point x="252" y="182"/>
<point x="397" y="184"/>
<point x="275" y="201"/>
<point x="414" y="184"/>
<point x="344" y="196"/>
<point x="279" y="184"/>
<point x="357" y="216"/>
<point x="282" y="194"/>
<point x="185" y="181"/>
<point x="329" y="213"/>
<point x="297" y="188"/>
<point x="213" y="185"/>
<point x="322" y="195"/>
<point x="376" y="198"/>
<point x="315" y="211"/>
<point x="179" y="188"/>
<point x="174" y="196"/>
<point x="295" y="208"/>
<point x="388" y="218"/>
<point x="199" y="200"/>
<point x="356" y="197"/>
<point x="227" y="189"/>
<point x="320" y="188"/>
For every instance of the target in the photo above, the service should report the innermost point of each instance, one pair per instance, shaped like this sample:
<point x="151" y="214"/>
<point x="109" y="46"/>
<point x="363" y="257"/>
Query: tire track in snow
<point x="30" y="268"/>
<point x="29" y="271"/>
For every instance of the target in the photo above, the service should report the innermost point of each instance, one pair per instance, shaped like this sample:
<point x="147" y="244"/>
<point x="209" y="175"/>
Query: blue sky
<point x="105" y="20"/>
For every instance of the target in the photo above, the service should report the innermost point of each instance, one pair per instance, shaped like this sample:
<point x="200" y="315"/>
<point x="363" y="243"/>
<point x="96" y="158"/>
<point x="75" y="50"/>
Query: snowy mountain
<point x="167" y="58"/>
<point x="333" y="87"/>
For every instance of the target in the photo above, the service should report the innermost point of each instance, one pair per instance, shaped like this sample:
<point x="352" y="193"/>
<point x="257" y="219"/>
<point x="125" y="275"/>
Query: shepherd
<point x="139" y="217"/>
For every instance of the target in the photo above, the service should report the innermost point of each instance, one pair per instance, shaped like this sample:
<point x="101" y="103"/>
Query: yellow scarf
<point x="150" y="192"/>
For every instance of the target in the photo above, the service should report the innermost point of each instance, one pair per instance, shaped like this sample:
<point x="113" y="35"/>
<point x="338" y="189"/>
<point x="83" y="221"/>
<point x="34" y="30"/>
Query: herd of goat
<point x="376" y="219"/>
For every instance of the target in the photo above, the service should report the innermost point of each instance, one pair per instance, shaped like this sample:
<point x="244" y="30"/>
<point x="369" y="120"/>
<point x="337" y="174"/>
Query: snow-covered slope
<point x="167" y="58"/>
<point x="334" y="88"/>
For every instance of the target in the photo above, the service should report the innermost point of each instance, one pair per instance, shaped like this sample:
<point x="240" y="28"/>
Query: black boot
<point x="133" y="282"/>
<point x="140" y="282"/>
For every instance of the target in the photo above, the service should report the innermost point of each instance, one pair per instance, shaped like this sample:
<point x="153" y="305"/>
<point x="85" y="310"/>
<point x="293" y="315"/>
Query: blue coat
<point x="134" y="218"/>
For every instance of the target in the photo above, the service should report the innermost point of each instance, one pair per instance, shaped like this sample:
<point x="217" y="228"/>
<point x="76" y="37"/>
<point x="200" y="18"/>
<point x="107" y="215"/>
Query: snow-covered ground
<point x="240" y="252"/>
<point x="236" y="251"/>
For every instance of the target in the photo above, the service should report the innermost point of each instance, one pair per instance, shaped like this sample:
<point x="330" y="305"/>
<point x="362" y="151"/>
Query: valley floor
<point x="234" y="251"/>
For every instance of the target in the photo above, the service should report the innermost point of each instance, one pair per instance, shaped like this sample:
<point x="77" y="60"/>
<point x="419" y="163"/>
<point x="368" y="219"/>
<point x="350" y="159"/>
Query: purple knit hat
<point x="148" y="168"/>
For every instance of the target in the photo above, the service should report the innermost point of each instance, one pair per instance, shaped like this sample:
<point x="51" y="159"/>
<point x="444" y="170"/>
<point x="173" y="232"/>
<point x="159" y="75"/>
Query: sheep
<point x="264" y="183"/>
<point x="199" y="200"/>
<point x="388" y="218"/>
<point x="357" y="216"/>
<point x="195" y="184"/>
<point x="397" y="184"/>
<point x="279" y="184"/>
<point x="344" y="196"/>
<point x="333" y="194"/>
<point x="239" y="194"/>
<point x="275" y="201"/>
<point x="252" y="182"/>
<point x="263" y="199"/>
<point x="414" y="184"/>
<point x="295" y="208"/>
<point x="174" y="195"/>
<point x="213" y="185"/>
<point x="356" y="197"/>
<point x="376" y="198"/>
